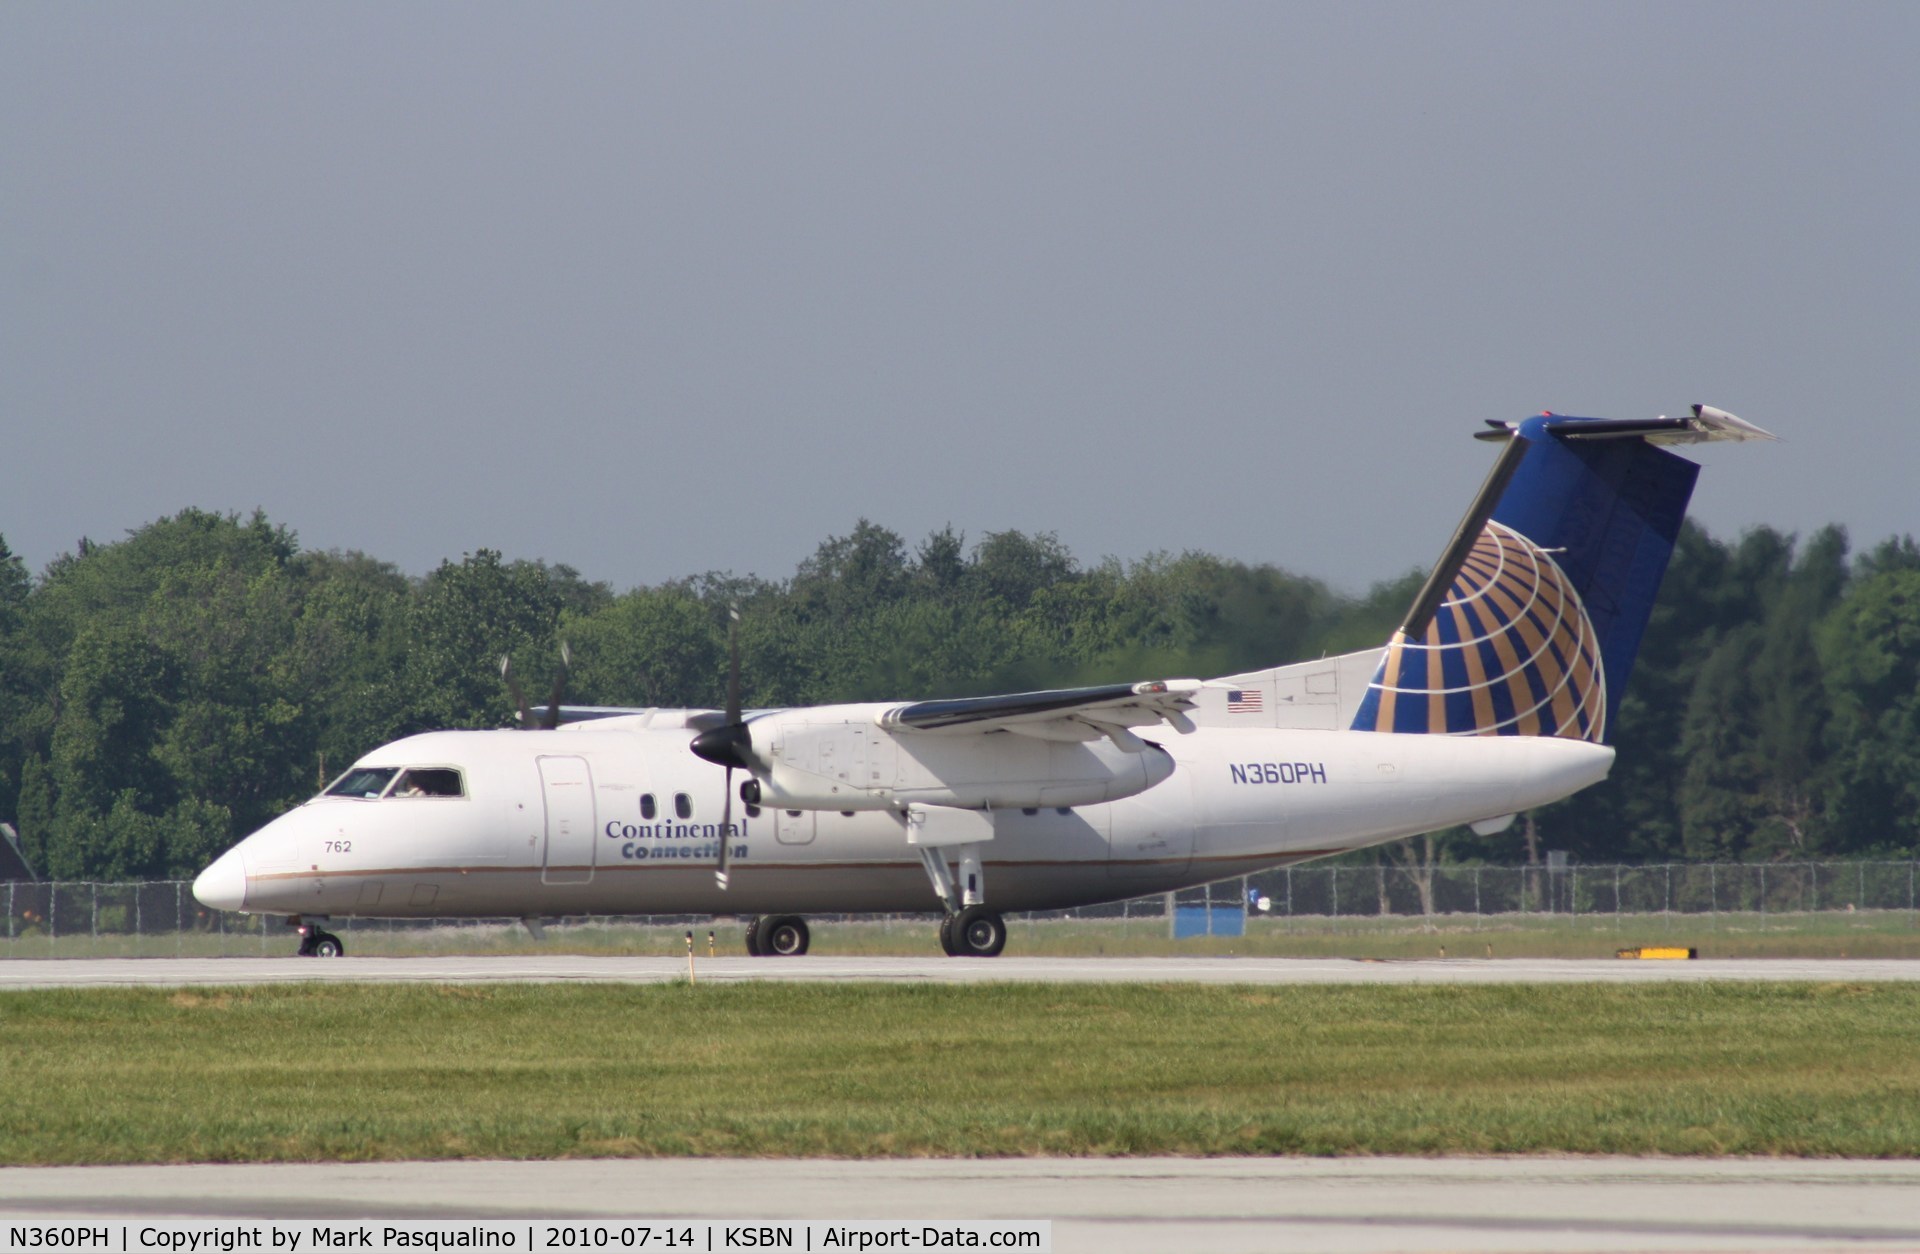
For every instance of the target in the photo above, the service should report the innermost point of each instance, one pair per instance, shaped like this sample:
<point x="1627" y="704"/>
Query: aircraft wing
<point x="1057" y="714"/>
<point x="633" y="715"/>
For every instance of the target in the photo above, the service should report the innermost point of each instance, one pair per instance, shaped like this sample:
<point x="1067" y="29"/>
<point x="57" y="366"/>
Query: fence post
<point x="1289" y="892"/>
<point x="179" y="932"/>
<point x="1763" y="889"/>
<point x="1334" y="877"/>
<point x="1616" y="894"/>
<point x="1476" y="893"/>
<point x="1713" y="888"/>
<point x="93" y="924"/>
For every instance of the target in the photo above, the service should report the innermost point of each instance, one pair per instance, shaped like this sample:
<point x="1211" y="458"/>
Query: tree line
<point x="165" y="694"/>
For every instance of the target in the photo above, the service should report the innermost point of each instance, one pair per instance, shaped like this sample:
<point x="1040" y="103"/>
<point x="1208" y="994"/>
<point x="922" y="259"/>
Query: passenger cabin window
<point x="683" y="805"/>
<point x="363" y="781"/>
<point x="429" y="781"/>
<point x="647" y="809"/>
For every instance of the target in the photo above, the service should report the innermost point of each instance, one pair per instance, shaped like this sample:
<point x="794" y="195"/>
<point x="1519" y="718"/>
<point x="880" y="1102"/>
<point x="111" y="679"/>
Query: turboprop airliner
<point x="1495" y="695"/>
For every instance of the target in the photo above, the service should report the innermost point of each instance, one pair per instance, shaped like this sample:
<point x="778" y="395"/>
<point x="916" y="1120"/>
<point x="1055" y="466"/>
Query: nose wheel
<point x="975" y="932"/>
<point x="318" y="943"/>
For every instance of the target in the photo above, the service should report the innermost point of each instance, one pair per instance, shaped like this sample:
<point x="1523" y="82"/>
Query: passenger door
<point x="566" y="786"/>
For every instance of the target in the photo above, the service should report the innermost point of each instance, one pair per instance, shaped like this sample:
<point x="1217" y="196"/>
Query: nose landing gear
<point x="315" y="942"/>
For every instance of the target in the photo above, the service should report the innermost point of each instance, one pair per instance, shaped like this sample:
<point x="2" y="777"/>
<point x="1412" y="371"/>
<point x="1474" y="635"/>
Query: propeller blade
<point x="559" y="687"/>
<point x="733" y="663"/>
<point x="726" y="836"/>
<point x="730" y="744"/>
<point x="513" y="688"/>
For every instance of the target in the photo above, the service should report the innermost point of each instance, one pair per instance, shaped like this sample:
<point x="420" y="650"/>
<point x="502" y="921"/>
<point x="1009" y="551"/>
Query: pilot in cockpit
<point x="371" y="783"/>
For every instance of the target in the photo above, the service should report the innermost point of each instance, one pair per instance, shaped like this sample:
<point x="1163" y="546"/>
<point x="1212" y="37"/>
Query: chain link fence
<point x="163" y="920"/>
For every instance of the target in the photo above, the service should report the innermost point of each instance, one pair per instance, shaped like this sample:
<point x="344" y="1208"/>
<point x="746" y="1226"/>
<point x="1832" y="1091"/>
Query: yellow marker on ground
<point x="1657" y="951"/>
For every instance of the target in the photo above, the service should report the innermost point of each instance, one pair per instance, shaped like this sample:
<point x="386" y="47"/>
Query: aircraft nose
<point x="223" y="886"/>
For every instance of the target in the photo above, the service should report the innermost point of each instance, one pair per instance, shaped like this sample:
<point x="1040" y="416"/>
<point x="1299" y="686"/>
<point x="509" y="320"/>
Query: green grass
<point x="1826" y="934"/>
<point x="287" y="1073"/>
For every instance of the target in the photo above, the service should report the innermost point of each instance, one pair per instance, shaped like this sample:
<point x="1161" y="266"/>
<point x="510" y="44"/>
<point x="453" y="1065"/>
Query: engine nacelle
<point x="849" y="763"/>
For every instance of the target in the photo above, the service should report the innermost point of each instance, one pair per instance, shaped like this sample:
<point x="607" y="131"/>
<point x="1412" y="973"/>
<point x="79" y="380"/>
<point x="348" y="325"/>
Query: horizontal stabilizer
<point x="1706" y="425"/>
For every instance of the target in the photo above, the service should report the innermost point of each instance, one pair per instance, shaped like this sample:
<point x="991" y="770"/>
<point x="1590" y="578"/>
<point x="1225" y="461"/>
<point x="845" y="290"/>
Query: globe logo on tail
<point x="1510" y="652"/>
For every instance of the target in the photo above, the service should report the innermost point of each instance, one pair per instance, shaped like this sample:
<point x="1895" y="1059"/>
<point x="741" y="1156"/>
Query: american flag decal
<point x="1243" y="701"/>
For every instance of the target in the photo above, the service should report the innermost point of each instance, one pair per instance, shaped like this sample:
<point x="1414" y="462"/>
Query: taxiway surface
<point x="1117" y="1206"/>
<point x="560" y="968"/>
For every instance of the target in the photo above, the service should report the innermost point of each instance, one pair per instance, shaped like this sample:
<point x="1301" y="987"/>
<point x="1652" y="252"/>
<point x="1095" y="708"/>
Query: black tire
<point x="946" y="936"/>
<point x="978" y="932"/>
<point x="327" y="945"/>
<point x="753" y="937"/>
<point x="785" y="936"/>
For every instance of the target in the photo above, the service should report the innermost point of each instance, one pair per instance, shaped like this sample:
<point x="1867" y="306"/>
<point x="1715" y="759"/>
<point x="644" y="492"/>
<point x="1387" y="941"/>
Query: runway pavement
<point x="167" y="972"/>
<point x="1119" y="1205"/>
<point x="1116" y="1206"/>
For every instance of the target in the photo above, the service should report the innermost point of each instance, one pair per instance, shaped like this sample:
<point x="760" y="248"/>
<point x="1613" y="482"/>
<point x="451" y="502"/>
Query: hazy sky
<point x="656" y="289"/>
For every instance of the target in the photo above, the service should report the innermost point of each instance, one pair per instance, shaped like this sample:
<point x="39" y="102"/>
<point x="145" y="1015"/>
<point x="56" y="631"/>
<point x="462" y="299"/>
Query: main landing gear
<point x="970" y="929"/>
<point x="975" y="932"/>
<point x="778" y="936"/>
<point x="315" y="942"/>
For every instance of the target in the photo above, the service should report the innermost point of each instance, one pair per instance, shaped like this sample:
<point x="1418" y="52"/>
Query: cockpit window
<point x="429" y="781"/>
<point x="363" y="781"/>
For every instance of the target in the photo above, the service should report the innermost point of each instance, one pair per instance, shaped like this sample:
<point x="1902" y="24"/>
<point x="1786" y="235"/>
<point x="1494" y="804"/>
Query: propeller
<point x="559" y="686"/>
<point x="513" y="687"/>
<point x="552" y="718"/>
<point x="729" y="745"/>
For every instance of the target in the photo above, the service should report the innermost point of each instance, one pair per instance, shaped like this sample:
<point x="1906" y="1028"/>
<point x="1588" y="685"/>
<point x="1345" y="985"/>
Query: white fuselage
<point x="628" y="821"/>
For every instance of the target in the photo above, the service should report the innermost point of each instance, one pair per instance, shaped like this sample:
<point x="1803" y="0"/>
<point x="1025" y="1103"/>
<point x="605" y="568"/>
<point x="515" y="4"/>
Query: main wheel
<point x="785" y="936"/>
<point x="978" y="932"/>
<point x="753" y="937"/>
<point x="327" y="945"/>
<point x="946" y="935"/>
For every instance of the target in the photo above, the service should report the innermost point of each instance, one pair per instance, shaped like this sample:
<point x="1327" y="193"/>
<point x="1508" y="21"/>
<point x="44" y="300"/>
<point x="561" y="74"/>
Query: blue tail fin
<point x="1530" y="622"/>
